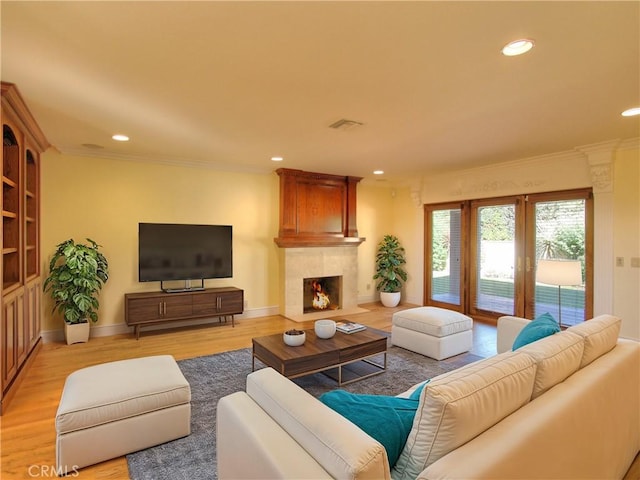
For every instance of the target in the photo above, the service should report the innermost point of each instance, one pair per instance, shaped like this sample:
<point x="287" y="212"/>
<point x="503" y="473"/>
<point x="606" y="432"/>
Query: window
<point x="481" y="255"/>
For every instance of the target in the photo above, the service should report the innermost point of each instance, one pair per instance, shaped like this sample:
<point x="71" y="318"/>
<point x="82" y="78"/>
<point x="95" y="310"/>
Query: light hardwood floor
<point x="27" y="428"/>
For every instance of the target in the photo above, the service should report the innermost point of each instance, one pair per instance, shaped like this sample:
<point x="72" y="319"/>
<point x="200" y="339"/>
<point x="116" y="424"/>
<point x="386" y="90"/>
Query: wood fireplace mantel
<point x="317" y="210"/>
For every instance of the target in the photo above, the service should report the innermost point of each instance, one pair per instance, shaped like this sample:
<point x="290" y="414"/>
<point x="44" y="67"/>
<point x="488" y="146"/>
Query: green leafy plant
<point x="389" y="261"/>
<point x="77" y="273"/>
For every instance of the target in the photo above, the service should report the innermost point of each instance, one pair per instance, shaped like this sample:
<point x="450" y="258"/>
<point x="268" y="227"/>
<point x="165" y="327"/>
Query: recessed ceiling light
<point x="120" y="138"/>
<point x="631" y="112"/>
<point x="517" y="47"/>
<point x="277" y="159"/>
<point x="378" y="172"/>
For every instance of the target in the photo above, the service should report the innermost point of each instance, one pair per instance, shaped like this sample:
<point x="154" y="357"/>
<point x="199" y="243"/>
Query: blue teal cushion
<point x="387" y="419"/>
<point x="415" y="395"/>
<point x="542" y="326"/>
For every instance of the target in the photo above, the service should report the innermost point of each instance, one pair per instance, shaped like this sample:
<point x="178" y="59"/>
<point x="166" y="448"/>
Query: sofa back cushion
<point x="556" y="357"/>
<point x="459" y="405"/>
<point x="600" y="336"/>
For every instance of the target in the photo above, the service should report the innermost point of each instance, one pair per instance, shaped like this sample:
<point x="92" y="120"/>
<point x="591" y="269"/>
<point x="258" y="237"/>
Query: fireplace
<point x="321" y="294"/>
<point x="299" y="264"/>
<point x="318" y="239"/>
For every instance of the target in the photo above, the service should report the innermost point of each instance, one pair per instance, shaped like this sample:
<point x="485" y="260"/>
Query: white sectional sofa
<point x="566" y="406"/>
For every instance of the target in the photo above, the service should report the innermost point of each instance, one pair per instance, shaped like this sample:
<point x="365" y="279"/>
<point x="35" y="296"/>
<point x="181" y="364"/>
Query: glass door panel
<point x="560" y="233"/>
<point x="496" y="280"/>
<point x="444" y="254"/>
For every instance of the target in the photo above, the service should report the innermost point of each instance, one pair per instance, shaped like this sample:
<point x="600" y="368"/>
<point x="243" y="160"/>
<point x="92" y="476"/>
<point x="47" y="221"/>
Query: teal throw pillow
<point x="387" y="419"/>
<point x="542" y="326"/>
<point x="415" y="395"/>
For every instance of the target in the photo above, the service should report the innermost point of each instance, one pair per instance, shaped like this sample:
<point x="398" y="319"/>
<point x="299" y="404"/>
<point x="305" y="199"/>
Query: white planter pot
<point x="76" y="332"/>
<point x="390" y="299"/>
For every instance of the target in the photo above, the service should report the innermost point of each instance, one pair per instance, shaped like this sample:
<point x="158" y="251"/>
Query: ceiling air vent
<point x="345" y="124"/>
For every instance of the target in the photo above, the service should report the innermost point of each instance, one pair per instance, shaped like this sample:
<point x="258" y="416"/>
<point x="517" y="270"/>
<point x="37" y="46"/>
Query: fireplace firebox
<point x="322" y="293"/>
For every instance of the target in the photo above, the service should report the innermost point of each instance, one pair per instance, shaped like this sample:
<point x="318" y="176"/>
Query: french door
<point x="446" y="255"/>
<point x="481" y="256"/>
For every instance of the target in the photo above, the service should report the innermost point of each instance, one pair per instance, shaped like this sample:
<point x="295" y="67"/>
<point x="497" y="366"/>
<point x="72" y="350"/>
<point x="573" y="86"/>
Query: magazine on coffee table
<point x="349" y="327"/>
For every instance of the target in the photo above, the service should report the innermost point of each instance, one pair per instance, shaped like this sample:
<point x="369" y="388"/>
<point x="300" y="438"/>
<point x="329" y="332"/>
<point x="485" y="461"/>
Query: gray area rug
<point x="214" y="376"/>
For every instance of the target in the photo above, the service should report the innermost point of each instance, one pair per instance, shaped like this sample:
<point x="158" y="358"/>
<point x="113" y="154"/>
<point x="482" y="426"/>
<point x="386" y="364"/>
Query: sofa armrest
<point x="508" y="329"/>
<point x="339" y="446"/>
<point x="251" y="445"/>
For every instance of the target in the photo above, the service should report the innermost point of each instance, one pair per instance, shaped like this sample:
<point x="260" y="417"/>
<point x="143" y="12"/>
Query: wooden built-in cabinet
<point x="317" y="210"/>
<point x="21" y="293"/>
<point x="152" y="308"/>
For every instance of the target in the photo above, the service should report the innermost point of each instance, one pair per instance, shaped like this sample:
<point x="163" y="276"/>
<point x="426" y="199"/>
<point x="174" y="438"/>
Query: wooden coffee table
<point x="323" y="355"/>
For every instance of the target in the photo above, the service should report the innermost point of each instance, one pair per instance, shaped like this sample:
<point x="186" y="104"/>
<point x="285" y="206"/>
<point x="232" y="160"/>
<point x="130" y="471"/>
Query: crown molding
<point x="160" y="160"/>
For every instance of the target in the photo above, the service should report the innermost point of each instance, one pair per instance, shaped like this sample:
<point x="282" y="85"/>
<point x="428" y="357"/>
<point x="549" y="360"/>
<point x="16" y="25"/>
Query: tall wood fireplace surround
<point x="318" y="237"/>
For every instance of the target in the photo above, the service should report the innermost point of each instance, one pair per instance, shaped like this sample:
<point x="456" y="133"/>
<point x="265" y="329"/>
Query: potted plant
<point x="77" y="273"/>
<point x="389" y="271"/>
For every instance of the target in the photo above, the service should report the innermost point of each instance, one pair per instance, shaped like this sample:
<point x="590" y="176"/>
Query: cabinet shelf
<point x="8" y="182"/>
<point x="21" y="299"/>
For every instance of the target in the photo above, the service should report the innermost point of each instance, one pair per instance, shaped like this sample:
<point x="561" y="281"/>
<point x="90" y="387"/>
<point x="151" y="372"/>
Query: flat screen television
<point x="170" y="251"/>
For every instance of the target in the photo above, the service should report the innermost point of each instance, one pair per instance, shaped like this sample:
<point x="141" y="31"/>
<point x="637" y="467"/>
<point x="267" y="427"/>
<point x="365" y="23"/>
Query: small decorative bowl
<point x="294" y="338"/>
<point x="325" y="328"/>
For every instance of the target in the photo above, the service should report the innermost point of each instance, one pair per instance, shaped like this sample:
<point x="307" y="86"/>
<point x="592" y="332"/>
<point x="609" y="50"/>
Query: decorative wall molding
<point x="415" y="190"/>
<point x="584" y="166"/>
<point x="629" y="144"/>
<point x="602" y="178"/>
<point x="559" y="171"/>
<point x="600" y="159"/>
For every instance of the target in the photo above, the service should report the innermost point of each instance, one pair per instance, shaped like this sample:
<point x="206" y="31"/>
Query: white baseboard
<point x="51" y="336"/>
<point x="373" y="297"/>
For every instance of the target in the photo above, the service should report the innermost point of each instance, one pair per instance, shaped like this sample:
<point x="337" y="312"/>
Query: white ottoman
<point x="435" y="332"/>
<point x="115" y="408"/>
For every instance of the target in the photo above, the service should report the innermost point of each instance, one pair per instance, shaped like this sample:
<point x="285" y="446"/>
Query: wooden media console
<point x="152" y="308"/>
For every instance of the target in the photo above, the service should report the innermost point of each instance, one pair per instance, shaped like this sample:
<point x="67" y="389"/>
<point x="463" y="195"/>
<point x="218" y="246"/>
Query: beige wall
<point x="386" y="210"/>
<point x="626" y="240"/>
<point x="105" y="199"/>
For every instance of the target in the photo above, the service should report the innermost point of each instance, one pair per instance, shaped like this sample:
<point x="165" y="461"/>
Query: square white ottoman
<point x="431" y="331"/>
<point x="115" y="408"/>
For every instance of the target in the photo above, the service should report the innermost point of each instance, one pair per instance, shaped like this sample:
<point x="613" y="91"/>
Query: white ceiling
<point x="233" y="83"/>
